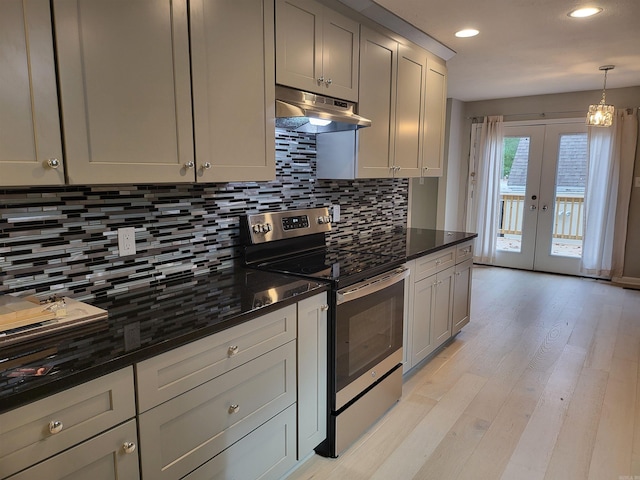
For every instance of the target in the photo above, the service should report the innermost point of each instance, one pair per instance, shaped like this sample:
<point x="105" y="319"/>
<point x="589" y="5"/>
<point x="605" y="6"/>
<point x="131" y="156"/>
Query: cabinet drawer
<point x="434" y="263"/>
<point x="26" y="433"/>
<point x="172" y="373"/>
<point x="185" y="432"/>
<point x="464" y="251"/>
<point x="101" y="458"/>
<point x="272" y="447"/>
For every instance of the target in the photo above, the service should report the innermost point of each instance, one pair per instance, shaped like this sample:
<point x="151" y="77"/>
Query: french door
<point x="542" y="197"/>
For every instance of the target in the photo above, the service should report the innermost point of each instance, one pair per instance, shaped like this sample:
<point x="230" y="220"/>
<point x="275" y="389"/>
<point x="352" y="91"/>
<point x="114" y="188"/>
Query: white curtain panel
<point x="488" y="188"/>
<point x="607" y="195"/>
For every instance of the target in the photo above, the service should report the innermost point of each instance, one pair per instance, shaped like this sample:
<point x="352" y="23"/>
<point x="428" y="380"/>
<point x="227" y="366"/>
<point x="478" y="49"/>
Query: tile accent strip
<point x="64" y="239"/>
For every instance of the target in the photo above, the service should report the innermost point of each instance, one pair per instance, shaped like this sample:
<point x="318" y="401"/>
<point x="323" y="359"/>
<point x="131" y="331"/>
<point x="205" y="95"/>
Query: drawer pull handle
<point x="129" y="447"/>
<point x="55" y="426"/>
<point x="324" y="308"/>
<point x="234" y="408"/>
<point x="438" y="262"/>
<point x="233" y="350"/>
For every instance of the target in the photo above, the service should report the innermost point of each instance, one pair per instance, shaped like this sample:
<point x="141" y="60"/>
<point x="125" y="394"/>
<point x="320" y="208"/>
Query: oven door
<point x="369" y="317"/>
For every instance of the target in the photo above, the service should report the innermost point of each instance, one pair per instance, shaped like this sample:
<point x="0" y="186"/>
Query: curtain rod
<point x="478" y="119"/>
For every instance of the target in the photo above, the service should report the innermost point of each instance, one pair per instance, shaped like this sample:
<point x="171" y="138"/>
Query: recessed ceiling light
<point x="584" y="12"/>
<point x="467" y="32"/>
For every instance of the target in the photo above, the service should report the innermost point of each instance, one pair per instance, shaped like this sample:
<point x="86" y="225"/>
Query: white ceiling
<point x="529" y="47"/>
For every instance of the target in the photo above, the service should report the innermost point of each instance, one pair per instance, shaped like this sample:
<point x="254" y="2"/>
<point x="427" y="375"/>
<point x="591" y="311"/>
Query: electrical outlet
<point x="127" y="241"/>
<point x="335" y="213"/>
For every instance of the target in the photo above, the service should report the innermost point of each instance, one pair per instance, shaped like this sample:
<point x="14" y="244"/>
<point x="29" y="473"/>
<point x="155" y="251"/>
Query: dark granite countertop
<point x="142" y="323"/>
<point x="407" y="243"/>
<point x="147" y="321"/>
<point x="421" y="241"/>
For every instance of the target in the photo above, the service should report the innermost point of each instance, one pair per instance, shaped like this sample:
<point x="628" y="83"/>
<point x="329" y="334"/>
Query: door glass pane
<point x="513" y="183"/>
<point x="571" y="177"/>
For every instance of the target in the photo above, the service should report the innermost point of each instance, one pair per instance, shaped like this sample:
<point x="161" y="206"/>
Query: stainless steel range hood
<point x="308" y="112"/>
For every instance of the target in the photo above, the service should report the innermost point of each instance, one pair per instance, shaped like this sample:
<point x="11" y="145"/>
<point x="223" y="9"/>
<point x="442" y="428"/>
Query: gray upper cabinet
<point x="125" y="90"/>
<point x="233" y="89"/>
<point x="410" y="102"/>
<point x="378" y="72"/>
<point x="316" y="49"/>
<point x="435" y="117"/>
<point x="30" y="144"/>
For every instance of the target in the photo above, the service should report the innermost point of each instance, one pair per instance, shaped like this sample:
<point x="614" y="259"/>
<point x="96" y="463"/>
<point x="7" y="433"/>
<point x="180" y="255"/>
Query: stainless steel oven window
<point x="368" y="326"/>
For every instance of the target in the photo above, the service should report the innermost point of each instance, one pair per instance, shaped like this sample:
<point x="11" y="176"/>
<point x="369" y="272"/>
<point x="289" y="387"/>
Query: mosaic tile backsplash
<point x="64" y="239"/>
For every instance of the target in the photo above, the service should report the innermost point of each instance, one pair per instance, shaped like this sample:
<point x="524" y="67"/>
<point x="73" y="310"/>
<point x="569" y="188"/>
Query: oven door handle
<point x="372" y="285"/>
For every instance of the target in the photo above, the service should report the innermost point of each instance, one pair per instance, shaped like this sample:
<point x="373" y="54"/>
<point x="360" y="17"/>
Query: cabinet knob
<point x="52" y="163"/>
<point x="189" y="164"/>
<point x="234" y="408"/>
<point x="55" y="426"/>
<point x="324" y="308"/>
<point x="328" y="82"/>
<point x="206" y="165"/>
<point x="320" y="80"/>
<point x="438" y="262"/>
<point x="129" y="447"/>
<point x="233" y="350"/>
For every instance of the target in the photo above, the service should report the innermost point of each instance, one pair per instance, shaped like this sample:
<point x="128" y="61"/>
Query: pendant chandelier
<point x="601" y="115"/>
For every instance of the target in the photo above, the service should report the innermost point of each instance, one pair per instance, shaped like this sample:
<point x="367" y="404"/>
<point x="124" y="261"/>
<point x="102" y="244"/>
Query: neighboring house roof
<point x="572" y="167"/>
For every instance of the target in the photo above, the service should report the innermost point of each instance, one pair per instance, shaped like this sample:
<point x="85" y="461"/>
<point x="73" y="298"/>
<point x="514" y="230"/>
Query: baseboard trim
<point x="626" y="282"/>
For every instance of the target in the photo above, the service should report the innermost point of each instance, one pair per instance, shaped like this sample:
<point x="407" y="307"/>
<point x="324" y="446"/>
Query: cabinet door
<point x="29" y="121"/>
<point x="461" y="295"/>
<point x="270" y="448"/>
<point x="412" y="63"/>
<point x="312" y="373"/>
<point x="378" y="66"/>
<point x="178" y="436"/>
<point x="441" y="328"/>
<point x="125" y="90"/>
<point x="101" y="458"/>
<point x="407" y="324"/>
<point x="423" y="311"/>
<point x="435" y="111"/>
<point x="340" y="55"/>
<point x="223" y="72"/>
<point x="53" y="424"/>
<point x="299" y="44"/>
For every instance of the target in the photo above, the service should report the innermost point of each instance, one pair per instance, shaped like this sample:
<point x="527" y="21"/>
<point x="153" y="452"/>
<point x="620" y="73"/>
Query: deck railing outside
<point x="568" y="215"/>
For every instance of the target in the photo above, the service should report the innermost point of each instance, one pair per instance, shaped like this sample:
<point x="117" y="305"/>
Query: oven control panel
<point x="271" y="226"/>
<point x="297" y="221"/>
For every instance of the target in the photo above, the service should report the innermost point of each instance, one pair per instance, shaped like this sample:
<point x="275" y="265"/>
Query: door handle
<point x="545" y="208"/>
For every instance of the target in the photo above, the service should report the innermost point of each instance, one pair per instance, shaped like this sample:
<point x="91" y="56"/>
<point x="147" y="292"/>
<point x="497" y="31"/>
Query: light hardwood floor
<point x="542" y="384"/>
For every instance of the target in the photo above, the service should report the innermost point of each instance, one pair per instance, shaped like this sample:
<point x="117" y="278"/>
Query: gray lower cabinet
<point x="178" y="436"/>
<point x="108" y="456"/>
<point x="254" y="391"/>
<point x="267" y="453"/>
<point x="439" y="301"/>
<point x="42" y="429"/>
<point x="312" y="373"/>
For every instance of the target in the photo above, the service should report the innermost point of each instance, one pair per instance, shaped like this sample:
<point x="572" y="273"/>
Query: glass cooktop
<point x="338" y="266"/>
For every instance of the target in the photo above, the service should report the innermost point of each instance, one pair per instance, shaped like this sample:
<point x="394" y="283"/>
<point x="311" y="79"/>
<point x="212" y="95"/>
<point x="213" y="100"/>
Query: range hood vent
<point x="311" y="113"/>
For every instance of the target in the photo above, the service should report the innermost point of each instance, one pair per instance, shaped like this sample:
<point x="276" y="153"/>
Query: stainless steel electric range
<point x="365" y="315"/>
